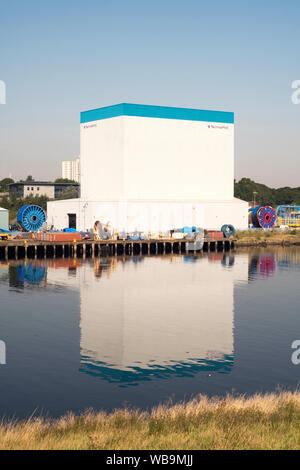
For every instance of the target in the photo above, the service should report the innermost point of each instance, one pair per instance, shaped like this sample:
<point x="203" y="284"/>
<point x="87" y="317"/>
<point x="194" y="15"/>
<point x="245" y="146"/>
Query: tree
<point x="264" y="195"/>
<point x="4" y="184"/>
<point x="70" y="193"/>
<point x="64" y="180"/>
<point x="29" y="178"/>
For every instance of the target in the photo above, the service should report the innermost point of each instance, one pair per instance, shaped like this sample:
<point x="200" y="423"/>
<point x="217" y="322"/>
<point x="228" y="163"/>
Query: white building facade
<point x="152" y="169"/>
<point x="70" y="169"/>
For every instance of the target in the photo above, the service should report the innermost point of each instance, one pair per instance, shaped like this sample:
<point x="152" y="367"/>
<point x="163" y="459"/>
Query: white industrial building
<point x="152" y="169"/>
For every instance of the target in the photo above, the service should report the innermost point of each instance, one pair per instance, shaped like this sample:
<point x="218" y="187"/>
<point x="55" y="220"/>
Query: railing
<point x="290" y="221"/>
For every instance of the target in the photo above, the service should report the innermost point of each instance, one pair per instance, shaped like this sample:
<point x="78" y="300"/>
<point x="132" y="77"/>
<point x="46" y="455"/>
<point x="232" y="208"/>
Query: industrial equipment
<point x="31" y="217"/>
<point x="288" y="215"/>
<point x="262" y="217"/>
<point x="228" y="230"/>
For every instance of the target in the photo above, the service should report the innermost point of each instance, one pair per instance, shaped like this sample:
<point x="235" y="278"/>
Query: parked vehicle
<point x="5" y="234"/>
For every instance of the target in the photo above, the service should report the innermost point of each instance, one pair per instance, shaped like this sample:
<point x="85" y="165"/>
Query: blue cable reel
<point x="228" y="230"/>
<point x="31" y="217"/>
<point x="263" y="217"/>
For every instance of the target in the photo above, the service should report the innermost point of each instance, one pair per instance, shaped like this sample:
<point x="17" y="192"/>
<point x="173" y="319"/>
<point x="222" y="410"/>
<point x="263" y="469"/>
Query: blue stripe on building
<point x="164" y="112"/>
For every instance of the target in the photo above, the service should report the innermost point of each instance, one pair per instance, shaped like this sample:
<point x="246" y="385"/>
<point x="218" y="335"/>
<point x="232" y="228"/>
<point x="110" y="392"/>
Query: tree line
<point x="245" y="189"/>
<point x="248" y="189"/>
<point x="5" y="182"/>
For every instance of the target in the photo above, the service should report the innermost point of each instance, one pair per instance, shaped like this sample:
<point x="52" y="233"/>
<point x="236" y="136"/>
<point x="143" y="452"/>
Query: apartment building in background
<point x="70" y="169"/>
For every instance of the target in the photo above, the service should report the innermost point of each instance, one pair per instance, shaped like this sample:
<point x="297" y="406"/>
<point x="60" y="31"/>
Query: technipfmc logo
<point x="2" y="92"/>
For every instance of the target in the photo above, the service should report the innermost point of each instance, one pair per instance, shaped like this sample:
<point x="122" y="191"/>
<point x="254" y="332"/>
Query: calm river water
<point x="138" y="331"/>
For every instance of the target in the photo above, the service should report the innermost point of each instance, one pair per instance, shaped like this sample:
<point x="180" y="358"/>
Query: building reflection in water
<point x="167" y="316"/>
<point x="147" y="317"/>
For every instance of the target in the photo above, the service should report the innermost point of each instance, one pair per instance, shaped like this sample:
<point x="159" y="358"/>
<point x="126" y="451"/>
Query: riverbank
<point x="260" y="422"/>
<point x="261" y="238"/>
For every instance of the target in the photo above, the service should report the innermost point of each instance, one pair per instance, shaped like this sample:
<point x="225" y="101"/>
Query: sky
<point x="60" y="57"/>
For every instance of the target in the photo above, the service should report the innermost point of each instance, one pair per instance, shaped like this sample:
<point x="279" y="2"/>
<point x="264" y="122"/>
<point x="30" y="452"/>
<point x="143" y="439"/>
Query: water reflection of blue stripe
<point x="137" y="374"/>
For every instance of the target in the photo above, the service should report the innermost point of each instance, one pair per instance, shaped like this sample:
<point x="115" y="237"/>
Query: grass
<point x="257" y="237"/>
<point x="269" y="421"/>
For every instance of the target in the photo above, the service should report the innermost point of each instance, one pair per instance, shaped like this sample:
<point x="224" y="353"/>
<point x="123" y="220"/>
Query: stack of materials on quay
<point x="262" y="217"/>
<point x="133" y="236"/>
<point x="186" y="232"/>
<point x="215" y="235"/>
<point x="14" y="235"/>
<point x="197" y="235"/>
<point x="63" y="237"/>
<point x="67" y="235"/>
<point x="226" y="231"/>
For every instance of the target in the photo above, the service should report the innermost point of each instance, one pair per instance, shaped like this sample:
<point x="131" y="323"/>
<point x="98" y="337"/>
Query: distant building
<point x="67" y="169"/>
<point x="70" y="169"/>
<point x="40" y="188"/>
<point x="4" y="215"/>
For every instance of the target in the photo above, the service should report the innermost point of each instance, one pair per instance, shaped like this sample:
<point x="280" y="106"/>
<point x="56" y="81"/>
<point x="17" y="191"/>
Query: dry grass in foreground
<point x="261" y="422"/>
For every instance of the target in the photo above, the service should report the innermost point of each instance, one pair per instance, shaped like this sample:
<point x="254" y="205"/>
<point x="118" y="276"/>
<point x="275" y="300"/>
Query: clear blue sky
<point x="60" y="57"/>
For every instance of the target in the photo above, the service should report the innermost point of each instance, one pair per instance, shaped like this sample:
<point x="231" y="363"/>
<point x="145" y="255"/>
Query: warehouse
<point x="152" y="169"/>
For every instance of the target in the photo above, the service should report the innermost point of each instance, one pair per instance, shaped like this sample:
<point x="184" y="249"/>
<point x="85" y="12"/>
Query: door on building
<point x="72" y="220"/>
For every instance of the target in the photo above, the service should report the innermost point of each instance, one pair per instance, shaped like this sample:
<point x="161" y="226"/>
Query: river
<point x="139" y="331"/>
